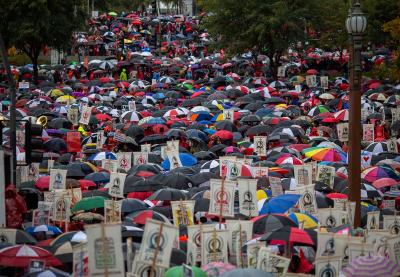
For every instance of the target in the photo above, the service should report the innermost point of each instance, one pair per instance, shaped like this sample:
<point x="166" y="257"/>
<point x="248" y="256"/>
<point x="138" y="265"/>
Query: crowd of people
<point x="149" y="123"/>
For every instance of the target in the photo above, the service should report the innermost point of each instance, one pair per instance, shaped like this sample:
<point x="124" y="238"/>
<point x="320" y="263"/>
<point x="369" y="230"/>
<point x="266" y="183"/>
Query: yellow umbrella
<point x="56" y="93"/>
<point x="261" y="194"/>
<point x="66" y="99"/>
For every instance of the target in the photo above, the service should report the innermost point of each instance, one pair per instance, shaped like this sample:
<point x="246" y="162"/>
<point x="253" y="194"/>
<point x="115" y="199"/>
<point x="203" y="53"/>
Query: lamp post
<point x="356" y="24"/>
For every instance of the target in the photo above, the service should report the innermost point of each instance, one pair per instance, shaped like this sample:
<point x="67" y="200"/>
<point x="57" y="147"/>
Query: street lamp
<point x="356" y="25"/>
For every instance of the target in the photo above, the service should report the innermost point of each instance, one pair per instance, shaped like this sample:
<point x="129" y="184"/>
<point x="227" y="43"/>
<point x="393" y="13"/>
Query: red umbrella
<point x="336" y="195"/>
<point x="384" y="182"/>
<point x="103" y="117"/>
<point x="87" y="184"/>
<point x="312" y="72"/>
<point x="223" y="134"/>
<point x="292" y="235"/>
<point x="299" y="147"/>
<point x="43" y="183"/>
<point x="21" y="255"/>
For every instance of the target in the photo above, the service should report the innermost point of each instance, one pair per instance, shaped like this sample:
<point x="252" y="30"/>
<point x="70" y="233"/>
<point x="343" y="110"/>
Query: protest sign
<point x="233" y="170"/>
<point x="222" y="197"/>
<point x="61" y="207"/>
<point x="276" y="186"/>
<point x="112" y="211"/>
<point x="394" y="248"/>
<point x="391" y="223"/>
<point x="214" y="246"/>
<point x="143" y="269"/>
<point x="110" y="165"/>
<point x="8" y="235"/>
<point x="272" y="263"/>
<point x="182" y="212"/>
<point x="100" y="139"/>
<point x="368" y="132"/>
<point x="157" y="243"/>
<point x="281" y="71"/>
<point x="252" y="254"/>
<point x="260" y="171"/>
<point x="173" y="145"/>
<point x="373" y="220"/>
<point x="311" y="80"/>
<point x="124" y="160"/>
<point x="303" y="174"/>
<point x="359" y="249"/>
<point x="58" y="179"/>
<point x="389" y="204"/>
<point x="140" y="158"/>
<point x="236" y="228"/>
<point x="328" y="266"/>
<point x="223" y="164"/>
<point x="41" y="215"/>
<point x="341" y="246"/>
<point x="326" y="174"/>
<point x="80" y="260"/>
<point x="132" y="105"/>
<point x="326" y="244"/>
<point x="324" y="82"/>
<point x="174" y="159"/>
<point x="73" y="116"/>
<point x="105" y="250"/>
<point x="392" y="145"/>
<point x="343" y="131"/>
<point x="146" y="148"/>
<point x="307" y="201"/>
<point x="194" y="242"/>
<point x="330" y="217"/>
<point x="260" y="145"/>
<point x="116" y="185"/>
<point x="73" y="142"/>
<point x="229" y="115"/>
<point x="85" y="115"/>
<point x="247" y="197"/>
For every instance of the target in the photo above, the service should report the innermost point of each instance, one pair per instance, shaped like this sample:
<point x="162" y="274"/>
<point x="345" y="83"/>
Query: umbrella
<point x="279" y="204"/>
<point x="21" y="255"/>
<point x="186" y="160"/>
<point x="214" y="269"/>
<point x="325" y="154"/>
<point x="140" y="217"/>
<point x="89" y="203"/>
<point x="178" y="271"/>
<point x="371" y="265"/>
<point x="132" y="205"/>
<point x="103" y="156"/>
<point x="292" y="235"/>
<point x="306" y="220"/>
<point x="270" y="222"/>
<point x="50" y="230"/>
<point x="377" y="172"/>
<point x="74" y="237"/>
<point x="20" y="237"/>
<point x="53" y="272"/>
<point x="168" y="194"/>
<point x="250" y="272"/>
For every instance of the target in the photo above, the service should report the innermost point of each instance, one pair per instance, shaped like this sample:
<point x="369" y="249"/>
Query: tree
<point x="30" y="25"/>
<point x="263" y="26"/>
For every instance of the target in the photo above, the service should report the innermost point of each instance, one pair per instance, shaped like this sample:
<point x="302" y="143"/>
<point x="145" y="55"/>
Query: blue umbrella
<point x="98" y="177"/>
<point x="186" y="160"/>
<point x="280" y="204"/>
<point x="156" y="120"/>
<point x="194" y="133"/>
<point x="102" y="156"/>
<point x="51" y="230"/>
<point x="264" y="112"/>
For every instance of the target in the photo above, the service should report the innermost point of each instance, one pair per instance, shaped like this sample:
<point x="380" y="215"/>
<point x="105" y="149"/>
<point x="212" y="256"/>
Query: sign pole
<point x="153" y="265"/>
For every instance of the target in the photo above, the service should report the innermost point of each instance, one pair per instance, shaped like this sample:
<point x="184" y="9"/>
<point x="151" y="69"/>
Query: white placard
<point x="303" y="174"/>
<point x="247" y="197"/>
<point x="182" y="212"/>
<point x="58" y="179"/>
<point x="324" y="82"/>
<point x="117" y="183"/>
<point x="260" y="145"/>
<point x="222" y="199"/>
<point x="124" y="160"/>
<point x="85" y="116"/>
<point x="368" y="132"/>
<point x="140" y="158"/>
<point x="214" y="246"/>
<point x="326" y="174"/>
<point x="229" y="115"/>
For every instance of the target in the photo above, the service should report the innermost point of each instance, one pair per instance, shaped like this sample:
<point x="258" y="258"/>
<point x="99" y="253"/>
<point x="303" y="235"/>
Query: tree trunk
<point x="35" y="69"/>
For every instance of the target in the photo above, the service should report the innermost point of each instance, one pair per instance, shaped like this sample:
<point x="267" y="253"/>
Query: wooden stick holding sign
<point x="221" y="201"/>
<point x="240" y="244"/>
<point x="104" y="250"/>
<point x="153" y="264"/>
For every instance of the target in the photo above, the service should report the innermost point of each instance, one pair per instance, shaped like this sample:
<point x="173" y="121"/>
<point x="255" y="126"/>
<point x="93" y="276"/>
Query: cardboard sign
<point x="389" y="204"/>
<point x="328" y="266"/>
<point x="40" y="217"/>
<point x="297" y="88"/>
<point x="368" y="132"/>
<point x="394" y="248"/>
<point x="36" y="266"/>
<point x="73" y="116"/>
<point x="281" y="72"/>
<point x="214" y="246"/>
<point x="173" y="145"/>
<point x="105" y="250"/>
<point x="73" y="142"/>
<point x="146" y="148"/>
<point x="182" y="212"/>
<point x="8" y="235"/>
<point x="223" y="164"/>
<point x="343" y="131"/>
<point x="260" y="145"/>
<point x="276" y="185"/>
<point x="61" y="207"/>
<point x="234" y="170"/>
<point x="222" y="199"/>
<point x="100" y="139"/>
<point x="23" y="85"/>
<point x="392" y="223"/>
<point x="326" y="174"/>
<point x="303" y="174"/>
<point x="229" y="115"/>
<point x="330" y="217"/>
<point x="252" y="254"/>
<point x="117" y="183"/>
<point x="85" y="116"/>
<point x="110" y="165"/>
<point x="272" y="263"/>
<point x="260" y="171"/>
<point x="124" y="160"/>
<point x="324" y="82"/>
<point x="247" y="197"/>
<point x="112" y="211"/>
<point x="140" y="158"/>
<point x="359" y="249"/>
<point x="392" y="145"/>
<point x="373" y="220"/>
<point x="80" y="260"/>
<point x="132" y="106"/>
<point x="311" y="80"/>
<point x="158" y="237"/>
<point x="143" y="268"/>
<point x="235" y="229"/>
<point x="194" y="242"/>
<point x="174" y="159"/>
<point x="307" y="201"/>
<point x="58" y="179"/>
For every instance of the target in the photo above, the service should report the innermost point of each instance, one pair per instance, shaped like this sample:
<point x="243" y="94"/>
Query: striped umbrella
<point x="377" y="172"/>
<point x="377" y="147"/>
<point x="372" y="265"/>
<point x="325" y="154"/>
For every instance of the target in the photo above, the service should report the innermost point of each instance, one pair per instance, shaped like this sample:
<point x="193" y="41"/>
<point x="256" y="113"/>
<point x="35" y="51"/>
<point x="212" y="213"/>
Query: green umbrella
<point x="177" y="271"/>
<point x="112" y="13"/>
<point x="88" y="203"/>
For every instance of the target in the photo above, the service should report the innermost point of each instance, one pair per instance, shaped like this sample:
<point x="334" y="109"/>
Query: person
<point x="123" y="76"/>
<point x="15" y="208"/>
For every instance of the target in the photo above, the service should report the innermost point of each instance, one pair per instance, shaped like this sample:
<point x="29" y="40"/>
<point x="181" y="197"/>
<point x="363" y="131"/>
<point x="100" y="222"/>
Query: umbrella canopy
<point x="87" y="204"/>
<point x="21" y="255"/>
<point x="251" y="272"/>
<point x="270" y="222"/>
<point x="371" y="265"/>
<point x="292" y="235"/>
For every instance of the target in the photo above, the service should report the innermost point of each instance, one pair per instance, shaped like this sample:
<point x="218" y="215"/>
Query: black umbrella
<point x="177" y="181"/>
<point x="258" y="130"/>
<point x="205" y="156"/>
<point x="168" y="194"/>
<point x="202" y="205"/>
<point x="56" y="145"/>
<point x="146" y="185"/>
<point x="131" y="205"/>
<point x="226" y="125"/>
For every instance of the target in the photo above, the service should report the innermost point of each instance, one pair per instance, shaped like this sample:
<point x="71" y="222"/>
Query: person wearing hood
<point x="15" y="207"/>
<point x="123" y="76"/>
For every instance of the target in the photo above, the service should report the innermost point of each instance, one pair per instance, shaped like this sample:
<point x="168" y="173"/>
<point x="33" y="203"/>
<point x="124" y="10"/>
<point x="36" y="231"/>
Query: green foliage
<point x="29" y="25"/>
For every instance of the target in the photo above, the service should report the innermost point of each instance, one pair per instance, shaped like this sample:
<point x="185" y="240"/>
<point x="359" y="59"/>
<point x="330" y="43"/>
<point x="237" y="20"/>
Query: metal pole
<point x="13" y="135"/>
<point x="354" y="152"/>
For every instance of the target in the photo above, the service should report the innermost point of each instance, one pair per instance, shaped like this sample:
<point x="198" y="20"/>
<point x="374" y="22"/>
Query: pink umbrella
<point x="217" y="268"/>
<point x="384" y="182"/>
